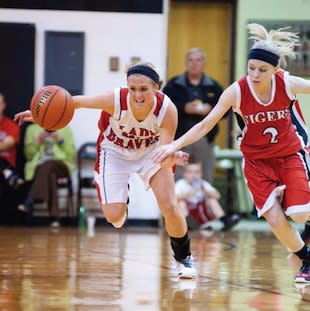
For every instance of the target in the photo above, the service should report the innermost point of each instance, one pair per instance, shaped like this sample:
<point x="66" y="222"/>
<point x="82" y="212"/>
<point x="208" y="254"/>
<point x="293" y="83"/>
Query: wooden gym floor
<point x="132" y="269"/>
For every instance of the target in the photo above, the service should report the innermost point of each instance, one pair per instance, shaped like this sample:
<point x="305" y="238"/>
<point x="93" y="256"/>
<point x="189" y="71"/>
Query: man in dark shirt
<point x="195" y="94"/>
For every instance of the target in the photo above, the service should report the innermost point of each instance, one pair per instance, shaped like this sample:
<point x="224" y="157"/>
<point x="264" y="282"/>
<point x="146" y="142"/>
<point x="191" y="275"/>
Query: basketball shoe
<point x="230" y="221"/>
<point x="14" y="180"/>
<point x="186" y="268"/>
<point x="303" y="276"/>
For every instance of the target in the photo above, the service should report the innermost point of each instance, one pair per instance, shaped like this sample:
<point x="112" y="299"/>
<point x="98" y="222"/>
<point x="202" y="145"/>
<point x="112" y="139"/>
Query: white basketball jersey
<point x="126" y="135"/>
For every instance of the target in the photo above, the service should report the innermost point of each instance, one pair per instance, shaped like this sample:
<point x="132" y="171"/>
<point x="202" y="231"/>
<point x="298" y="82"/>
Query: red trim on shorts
<point x="98" y="193"/>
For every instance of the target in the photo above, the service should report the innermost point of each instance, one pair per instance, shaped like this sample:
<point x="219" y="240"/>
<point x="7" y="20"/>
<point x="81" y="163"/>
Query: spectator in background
<point x="9" y="138"/>
<point x="49" y="157"/>
<point x="195" y="94"/>
<point x="199" y="200"/>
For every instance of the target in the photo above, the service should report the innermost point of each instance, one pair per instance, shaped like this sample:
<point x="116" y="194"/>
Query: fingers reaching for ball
<point x="181" y="158"/>
<point x="22" y="117"/>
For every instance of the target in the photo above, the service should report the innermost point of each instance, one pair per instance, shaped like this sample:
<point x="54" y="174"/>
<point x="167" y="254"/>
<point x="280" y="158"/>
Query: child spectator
<point x="199" y="200"/>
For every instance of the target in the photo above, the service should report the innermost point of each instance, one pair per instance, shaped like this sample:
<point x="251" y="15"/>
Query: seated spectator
<point x="9" y="138"/>
<point x="199" y="200"/>
<point x="49" y="157"/>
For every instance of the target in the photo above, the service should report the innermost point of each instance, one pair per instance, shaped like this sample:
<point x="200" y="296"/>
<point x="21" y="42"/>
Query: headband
<point x="265" y="56"/>
<point x="144" y="70"/>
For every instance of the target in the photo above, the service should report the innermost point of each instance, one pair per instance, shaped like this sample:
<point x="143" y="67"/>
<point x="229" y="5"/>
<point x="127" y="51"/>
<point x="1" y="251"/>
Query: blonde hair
<point x="279" y="42"/>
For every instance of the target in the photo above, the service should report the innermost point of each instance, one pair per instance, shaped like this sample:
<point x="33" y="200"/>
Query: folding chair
<point x="86" y="158"/>
<point x="65" y="184"/>
<point x="65" y="200"/>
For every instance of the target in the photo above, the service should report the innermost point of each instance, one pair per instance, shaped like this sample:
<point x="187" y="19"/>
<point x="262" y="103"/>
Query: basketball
<point x="52" y="107"/>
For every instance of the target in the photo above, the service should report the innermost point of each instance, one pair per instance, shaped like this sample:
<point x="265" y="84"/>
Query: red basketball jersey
<point x="267" y="128"/>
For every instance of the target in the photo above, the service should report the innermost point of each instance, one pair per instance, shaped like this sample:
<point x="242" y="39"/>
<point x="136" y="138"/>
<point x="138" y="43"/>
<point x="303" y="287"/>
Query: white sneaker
<point x="120" y="223"/>
<point x="186" y="268"/>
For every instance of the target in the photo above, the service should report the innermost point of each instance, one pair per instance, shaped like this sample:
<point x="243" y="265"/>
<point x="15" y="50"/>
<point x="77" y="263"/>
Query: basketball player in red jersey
<point x="135" y="120"/>
<point x="276" y="163"/>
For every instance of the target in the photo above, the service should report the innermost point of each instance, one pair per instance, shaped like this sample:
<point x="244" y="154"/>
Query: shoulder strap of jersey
<point x="159" y="102"/>
<point x="103" y="122"/>
<point x="123" y="98"/>
<point x="280" y="73"/>
<point x="242" y="81"/>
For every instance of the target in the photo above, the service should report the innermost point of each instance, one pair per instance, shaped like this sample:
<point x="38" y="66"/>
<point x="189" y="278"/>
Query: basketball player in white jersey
<point x="134" y="120"/>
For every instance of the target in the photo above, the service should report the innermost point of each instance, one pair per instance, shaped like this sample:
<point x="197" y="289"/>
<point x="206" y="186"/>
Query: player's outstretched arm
<point x="299" y="85"/>
<point x="226" y="101"/>
<point x="104" y="102"/>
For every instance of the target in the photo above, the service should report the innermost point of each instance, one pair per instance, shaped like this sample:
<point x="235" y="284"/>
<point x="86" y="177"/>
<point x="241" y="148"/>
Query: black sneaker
<point x="303" y="276"/>
<point x="230" y="222"/>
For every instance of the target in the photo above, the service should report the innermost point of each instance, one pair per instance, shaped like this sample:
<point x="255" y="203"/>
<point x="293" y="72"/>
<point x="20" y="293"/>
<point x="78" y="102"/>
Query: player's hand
<point x="42" y="137"/>
<point x="181" y="158"/>
<point x="178" y="158"/>
<point x="24" y="116"/>
<point x="162" y="152"/>
<point x="54" y="135"/>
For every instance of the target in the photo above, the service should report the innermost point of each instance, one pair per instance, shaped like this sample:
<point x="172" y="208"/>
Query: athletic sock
<point x="304" y="253"/>
<point x="181" y="247"/>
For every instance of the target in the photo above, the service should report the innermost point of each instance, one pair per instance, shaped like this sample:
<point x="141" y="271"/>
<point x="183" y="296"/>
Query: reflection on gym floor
<point x="132" y="269"/>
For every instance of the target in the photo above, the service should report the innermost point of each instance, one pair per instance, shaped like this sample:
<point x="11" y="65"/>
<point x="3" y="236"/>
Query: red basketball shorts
<point x="285" y="179"/>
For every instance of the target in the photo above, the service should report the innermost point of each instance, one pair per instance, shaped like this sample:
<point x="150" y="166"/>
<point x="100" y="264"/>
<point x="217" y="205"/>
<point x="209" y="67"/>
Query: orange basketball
<point x="52" y="107"/>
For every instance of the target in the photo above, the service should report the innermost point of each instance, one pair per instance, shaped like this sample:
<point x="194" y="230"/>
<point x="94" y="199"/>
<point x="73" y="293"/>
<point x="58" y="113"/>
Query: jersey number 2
<point x="273" y="134"/>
